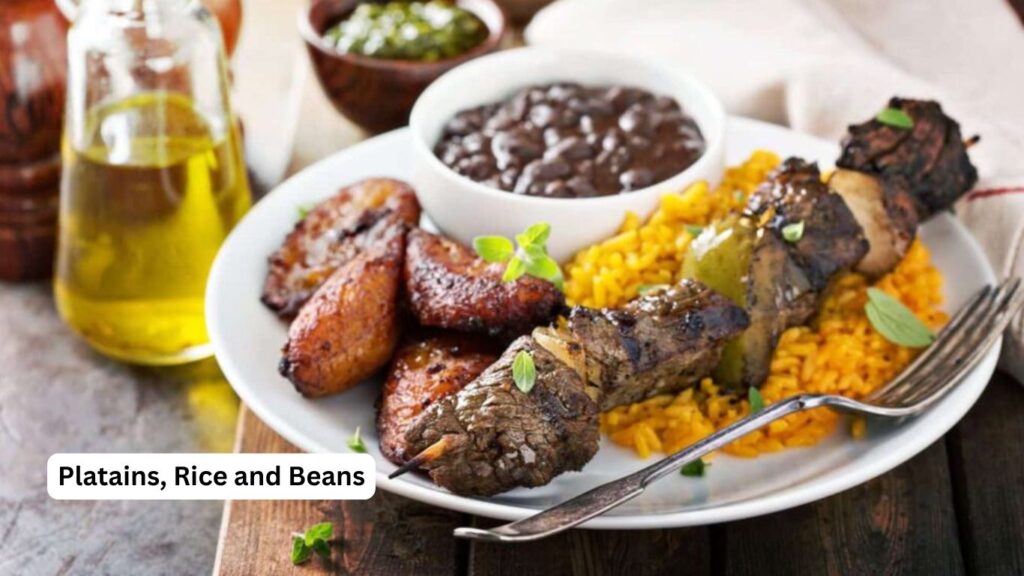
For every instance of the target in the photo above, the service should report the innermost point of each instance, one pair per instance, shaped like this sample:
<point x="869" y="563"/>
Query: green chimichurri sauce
<point x="425" y="31"/>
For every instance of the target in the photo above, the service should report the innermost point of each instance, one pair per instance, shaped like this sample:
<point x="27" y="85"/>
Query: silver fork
<point x="958" y="348"/>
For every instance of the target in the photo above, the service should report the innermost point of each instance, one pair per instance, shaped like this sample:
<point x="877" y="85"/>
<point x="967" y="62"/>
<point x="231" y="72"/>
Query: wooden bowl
<point x="377" y="93"/>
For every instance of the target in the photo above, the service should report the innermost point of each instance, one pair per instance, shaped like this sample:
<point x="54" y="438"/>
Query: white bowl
<point x="463" y="209"/>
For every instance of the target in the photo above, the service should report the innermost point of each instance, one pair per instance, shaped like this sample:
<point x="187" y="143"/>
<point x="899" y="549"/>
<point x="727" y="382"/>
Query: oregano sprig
<point x="315" y="539"/>
<point x="895" y="322"/>
<point x="530" y="257"/>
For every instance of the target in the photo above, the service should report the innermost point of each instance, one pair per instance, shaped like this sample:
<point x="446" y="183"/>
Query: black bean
<point x="475" y="142"/>
<point x="557" y="189"/>
<point x="450" y="153"/>
<point x="476" y="167"/>
<point x="500" y="121"/>
<point x="508" y="179"/>
<point x="635" y="120"/>
<point x="551" y="136"/>
<point x="562" y="91"/>
<point x="547" y="170"/>
<point x="581" y="188"/>
<point x="572" y="148"/>
<point x="665" y="103"/>
<point x="587" y="124"/>
<point x="512" y="146"/>
<point x="639" y="141"/>
<point x="568" y="118"/>
<point x="636" y="178"/>
<point x="464" y="122"/>
<point x="517" y="106"/>
<point x="591" y="106"/>
<point x="537" y="95"/>
<point x="620" y="159"/>
<point x="584" y="169"/>
<point x="612" y="140"/>
<point x="542" y="115"/>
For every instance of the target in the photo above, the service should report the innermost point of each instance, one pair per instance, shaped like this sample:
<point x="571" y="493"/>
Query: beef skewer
<point x="797" y="233"/>
<point x="774" y="260"/>
<point x="491" y="437"/>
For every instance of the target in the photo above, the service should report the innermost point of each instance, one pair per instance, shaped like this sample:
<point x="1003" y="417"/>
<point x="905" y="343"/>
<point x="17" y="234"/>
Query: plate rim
<point x="785" y="498"/>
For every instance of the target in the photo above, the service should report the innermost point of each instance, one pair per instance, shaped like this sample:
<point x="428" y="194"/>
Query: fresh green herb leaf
<point x="531" y="257"/>
<point x="355" y="443"/>
<point x="516" y="268"/>
<point x="536" y="235"/>
<point x="896" y="322"/>
<point x="300" y="551"/>
<point x="322" y="548"/>
<point x="321" y="531"/>
<point x="645" y="289"/>
<point x="524" y="373"/>
<point x="546" y="269"/>
<point x="693" y="229"/>
<point x="895" y="117"/>
<point x="694" y="469"/>
<point x="540" y="265"/>
<point x="493" y="248"/>
<point x="315" y="539"/>
<point x="303" y="210"/>
<point x="755" y="399"/>
<point x="792" y="233"/>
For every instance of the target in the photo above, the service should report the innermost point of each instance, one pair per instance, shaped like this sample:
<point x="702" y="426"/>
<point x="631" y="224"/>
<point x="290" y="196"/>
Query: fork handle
<point x="607" y="496"/>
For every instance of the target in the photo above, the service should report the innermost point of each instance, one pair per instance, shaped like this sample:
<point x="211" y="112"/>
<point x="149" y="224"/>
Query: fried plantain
<point x="424" y="370"/>
<point x="350" y="327"/>
<point x="449" y="287"/>
<point x="332" y="234"/>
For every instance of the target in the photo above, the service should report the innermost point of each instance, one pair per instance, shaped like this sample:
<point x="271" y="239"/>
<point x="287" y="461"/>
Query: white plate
<point x="247" y="339"/>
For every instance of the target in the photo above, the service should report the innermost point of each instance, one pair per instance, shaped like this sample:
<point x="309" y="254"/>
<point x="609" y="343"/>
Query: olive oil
<point x="150" y="190"/>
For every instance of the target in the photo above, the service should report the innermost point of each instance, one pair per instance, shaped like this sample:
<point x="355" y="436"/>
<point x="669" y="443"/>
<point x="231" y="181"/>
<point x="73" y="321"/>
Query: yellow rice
<point x="840" y="353"/>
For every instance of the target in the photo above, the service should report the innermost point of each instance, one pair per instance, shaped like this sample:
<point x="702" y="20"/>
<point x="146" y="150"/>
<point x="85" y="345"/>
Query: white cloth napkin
<point x="819" y="65"/>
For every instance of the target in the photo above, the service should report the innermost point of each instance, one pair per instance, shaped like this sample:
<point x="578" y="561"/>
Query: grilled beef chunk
<point x="778" y="281"/>
<point x="332" y="234"/>
<point x="449" y="287"/>
<point x="929" y="160"/>
<point x="497" y="437"/>
<point x="423" y="371"/>
<point x="831" y="239"/>
<point x="788" y="275"/>
<point x="659" y="343"/>
<point x="349" y="328"/>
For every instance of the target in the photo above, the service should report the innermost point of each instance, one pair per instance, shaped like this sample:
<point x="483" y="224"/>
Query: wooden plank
<point x="387" y="534"/>
<point x="595" y="552"/>
<point x="987" y="459"/>
<point x="903" y="522"/>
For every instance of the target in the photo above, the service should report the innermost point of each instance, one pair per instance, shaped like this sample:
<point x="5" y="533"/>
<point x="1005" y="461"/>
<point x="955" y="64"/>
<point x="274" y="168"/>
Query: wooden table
<point x="957" y="508"/>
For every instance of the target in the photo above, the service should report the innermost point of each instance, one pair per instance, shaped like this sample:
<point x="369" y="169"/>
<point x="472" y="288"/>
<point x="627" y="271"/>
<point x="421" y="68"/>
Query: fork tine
<point x="953" y="351"/>
<point x="933" y="352"/>
<point x="1008" y="300"/>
